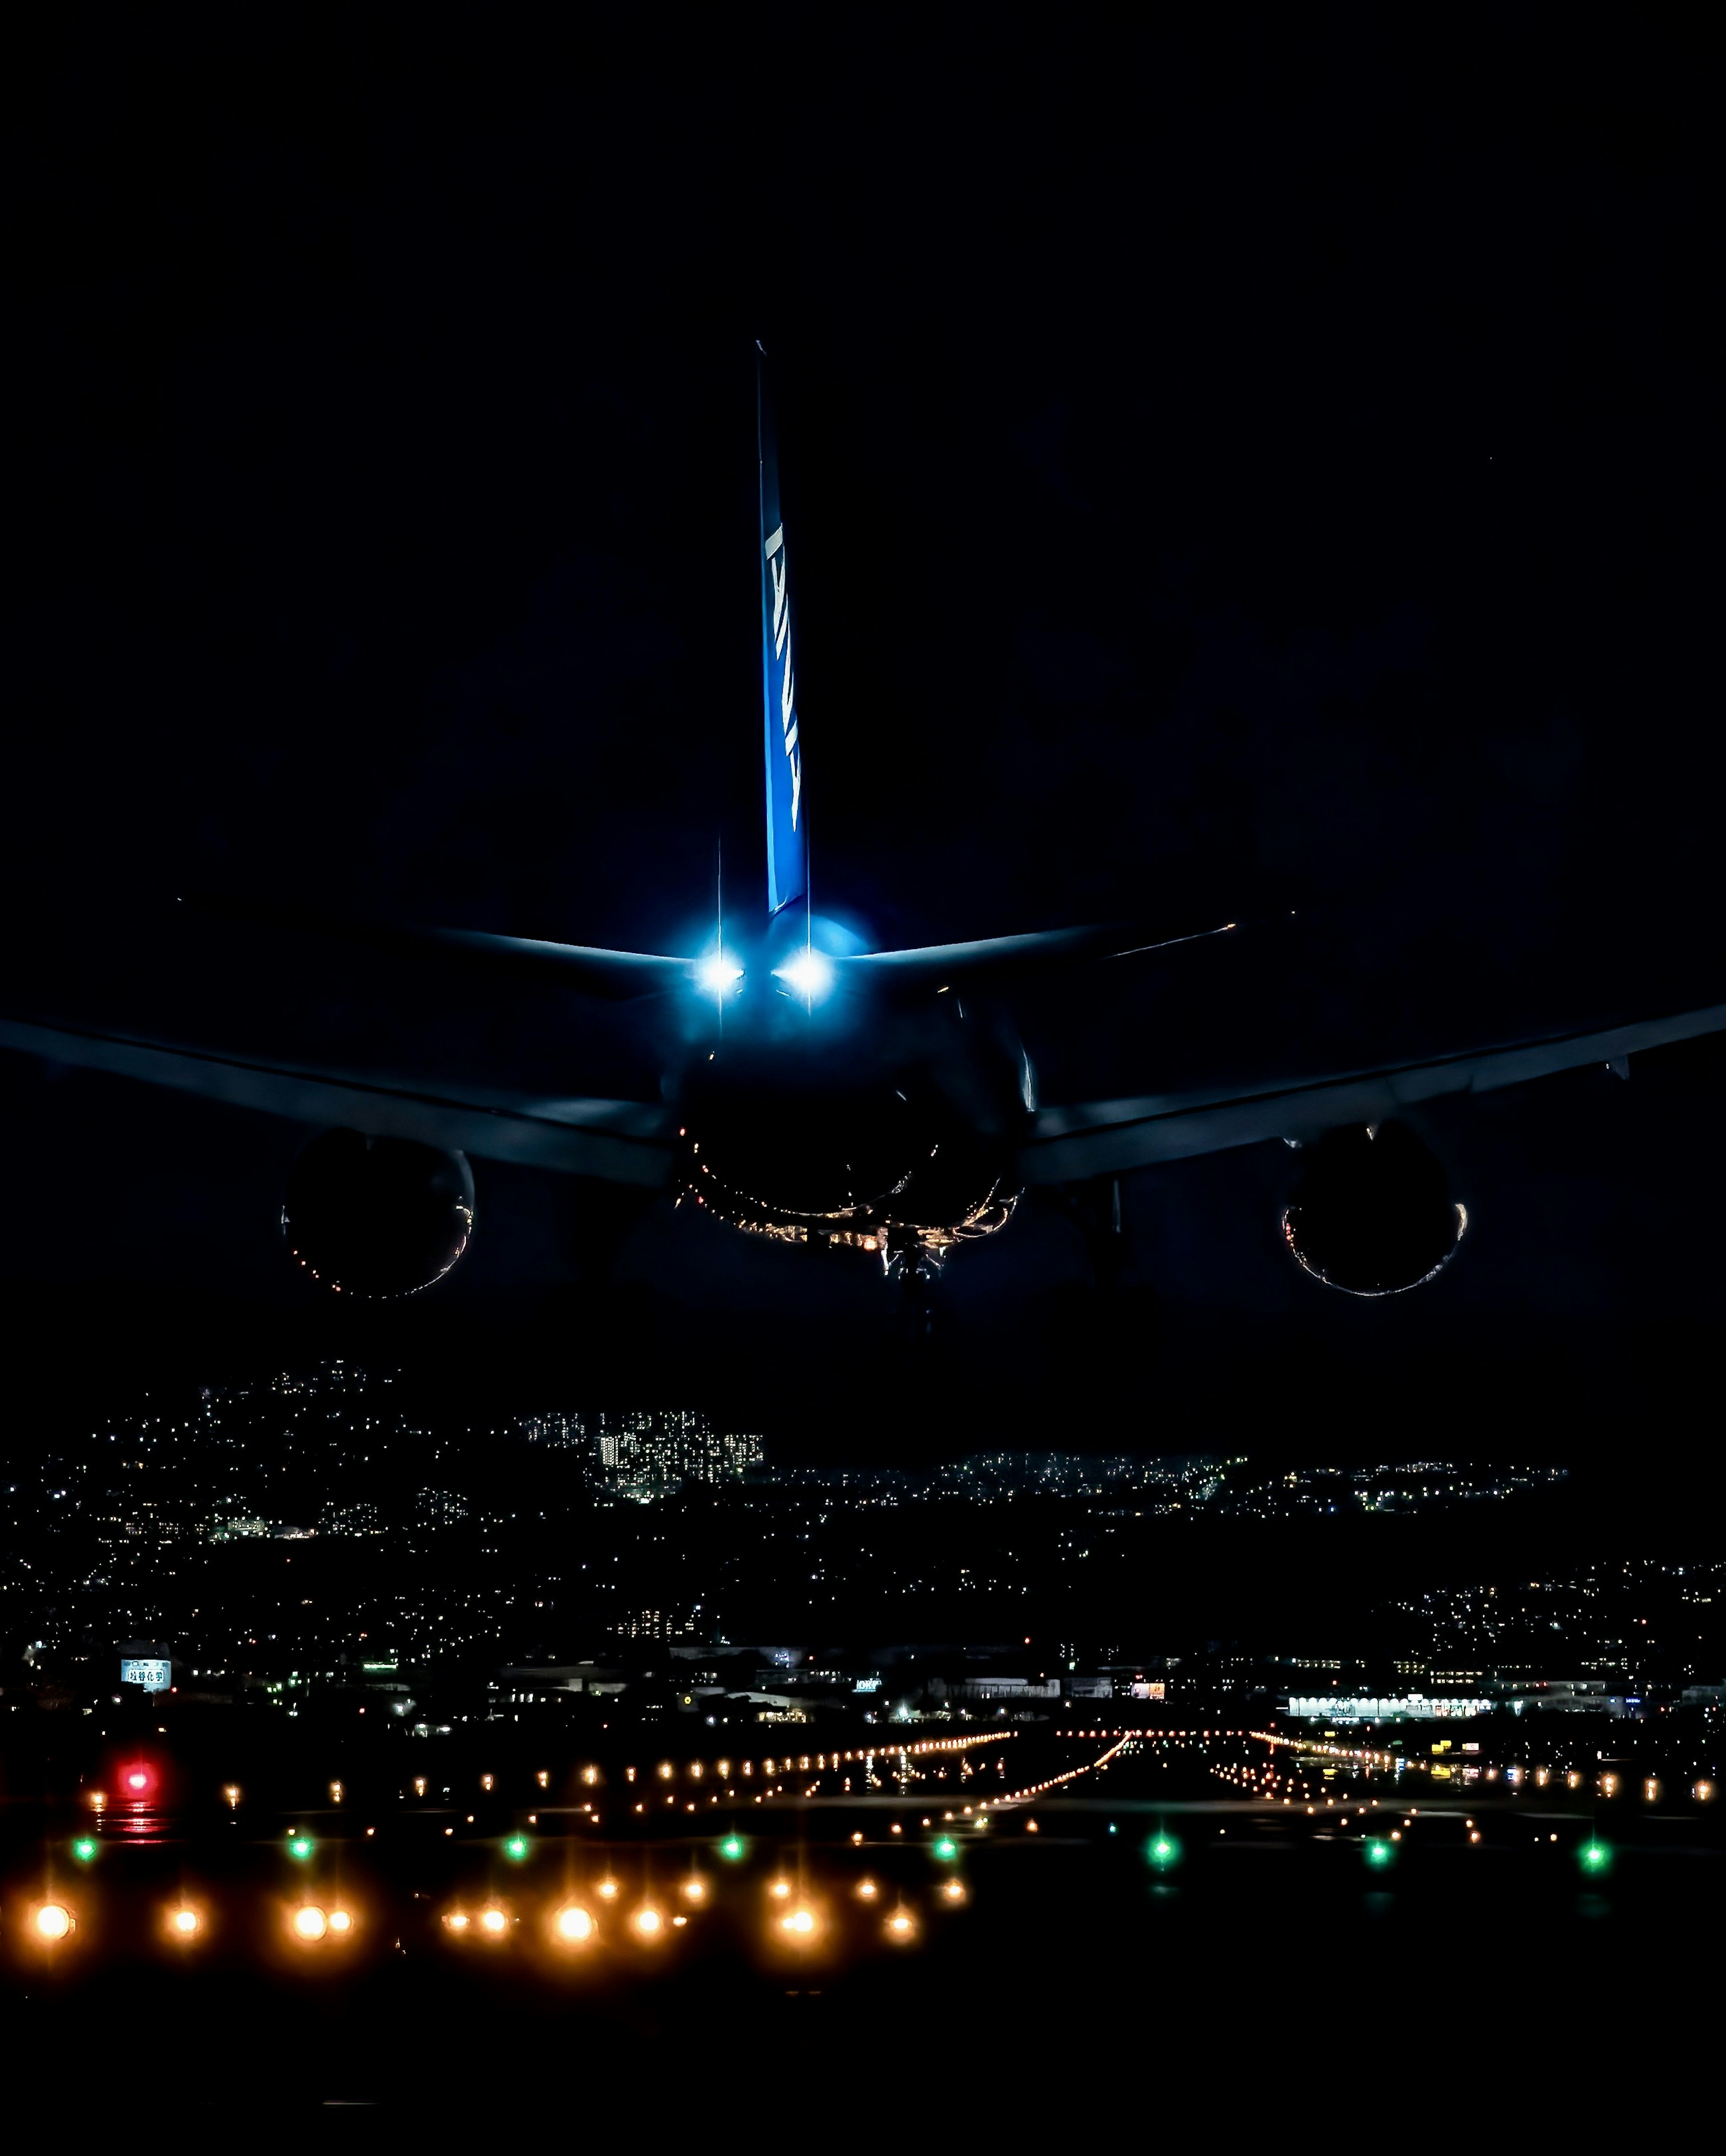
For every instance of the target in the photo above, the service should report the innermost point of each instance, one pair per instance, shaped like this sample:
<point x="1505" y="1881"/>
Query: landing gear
<point x="917" y="1267"/>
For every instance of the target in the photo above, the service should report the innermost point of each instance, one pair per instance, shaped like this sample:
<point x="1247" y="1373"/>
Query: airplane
<point x="831" y="1096"/>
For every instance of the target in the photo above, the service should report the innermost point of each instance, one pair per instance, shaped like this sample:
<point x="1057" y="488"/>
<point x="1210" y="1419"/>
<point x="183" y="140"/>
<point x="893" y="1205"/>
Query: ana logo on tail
<point x="782" y="652"/>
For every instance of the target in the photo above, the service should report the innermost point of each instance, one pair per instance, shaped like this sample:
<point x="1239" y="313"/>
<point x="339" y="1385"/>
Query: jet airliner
<point x="830" y="1097"/>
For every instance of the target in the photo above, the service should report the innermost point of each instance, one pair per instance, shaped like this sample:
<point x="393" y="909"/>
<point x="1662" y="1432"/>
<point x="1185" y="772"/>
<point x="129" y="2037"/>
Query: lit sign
<point x="153" y="1676"/>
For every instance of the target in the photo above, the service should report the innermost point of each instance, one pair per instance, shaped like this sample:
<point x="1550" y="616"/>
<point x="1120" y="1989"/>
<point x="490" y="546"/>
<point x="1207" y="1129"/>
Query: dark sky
<point x="1266" y="466"/>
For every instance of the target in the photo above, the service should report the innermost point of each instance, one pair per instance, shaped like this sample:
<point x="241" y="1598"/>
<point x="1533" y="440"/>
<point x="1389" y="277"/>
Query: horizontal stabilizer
<point x="942" y="965"/>
<point x="1106" y="1137"/>
<point x="616" y="1140"/>
<point x="614" y="975"/>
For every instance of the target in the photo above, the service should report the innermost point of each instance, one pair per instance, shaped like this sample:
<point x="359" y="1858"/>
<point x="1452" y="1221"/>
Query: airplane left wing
<point x="1107" y="1137"/>
<point x="617" y="1140"/>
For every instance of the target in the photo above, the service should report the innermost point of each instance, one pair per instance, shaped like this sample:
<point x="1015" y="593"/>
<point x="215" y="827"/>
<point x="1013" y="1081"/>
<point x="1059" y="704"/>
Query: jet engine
<point x="376" y="1217"/>
<point x="1373" y="1213"/>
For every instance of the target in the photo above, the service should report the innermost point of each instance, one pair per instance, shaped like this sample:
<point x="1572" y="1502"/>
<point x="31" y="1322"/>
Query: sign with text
<point x="154" y="1676"/>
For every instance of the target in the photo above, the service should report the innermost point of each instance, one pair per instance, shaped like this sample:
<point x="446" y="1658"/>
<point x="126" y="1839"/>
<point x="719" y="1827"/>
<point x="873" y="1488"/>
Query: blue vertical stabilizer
<point x="787" y="838"/>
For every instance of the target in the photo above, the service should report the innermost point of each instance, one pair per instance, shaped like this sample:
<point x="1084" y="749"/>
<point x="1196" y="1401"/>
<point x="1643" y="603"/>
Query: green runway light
<point x="1378" y="1854"/>
<point x="1594" y="1858"/>
<point x="1112" y="1826"/>
<point x="1164" y="1851"/>
<point x="84" y="1850"/>
<point x="300" y="1845"/>
<point x="732" y="1848"/>
<point x="946" y="1848"/>
<point x="516" y="1848"/>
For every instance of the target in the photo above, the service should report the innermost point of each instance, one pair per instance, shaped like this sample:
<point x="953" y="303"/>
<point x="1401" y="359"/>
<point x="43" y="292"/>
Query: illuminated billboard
<point x="153" y="1675"/>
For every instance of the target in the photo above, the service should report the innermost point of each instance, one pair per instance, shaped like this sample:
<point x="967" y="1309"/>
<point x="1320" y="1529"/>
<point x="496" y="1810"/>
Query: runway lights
<point x="733" y="1848"/>
<point x="1378" y="1854"/>
<point x="800" y="1923"/>
<point x="516" y="1848"/>
<point x="309" y="1922"/>
<point x="573" y="1925"/>
<point x="866" y="1890"/>
<point x="85" y="1849"/>
<point x="1595" y="1858"/>
<point x="648" y="1923"/>
<point x="184" y="1924"/>
<point x="494" y="1923"/>
<point x="54" y="1921"/>
<point x="1162" y="1851"/>
<point x="901" y="1927"/>
<point x="300" y="1846"/>
<point x="945" y="1848"/>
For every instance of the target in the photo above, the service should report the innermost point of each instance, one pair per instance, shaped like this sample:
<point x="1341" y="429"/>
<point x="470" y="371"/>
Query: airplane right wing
<point x="1107" y="1137"/>
<point x="617" y="1140"/>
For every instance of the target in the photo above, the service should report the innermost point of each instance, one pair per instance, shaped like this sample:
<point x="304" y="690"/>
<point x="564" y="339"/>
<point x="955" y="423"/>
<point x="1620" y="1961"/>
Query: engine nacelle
<point x="1373" y="1213"/>
<point x="376" y="1217"/>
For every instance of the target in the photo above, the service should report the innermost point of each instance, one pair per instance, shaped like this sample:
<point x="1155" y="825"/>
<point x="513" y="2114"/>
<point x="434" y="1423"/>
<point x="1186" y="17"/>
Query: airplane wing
<point x="1106" y="1137"/>
<point x="617" y="1140"/>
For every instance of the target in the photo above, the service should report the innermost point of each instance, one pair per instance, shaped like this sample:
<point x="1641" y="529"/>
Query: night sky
<point x="1262" y="469"/>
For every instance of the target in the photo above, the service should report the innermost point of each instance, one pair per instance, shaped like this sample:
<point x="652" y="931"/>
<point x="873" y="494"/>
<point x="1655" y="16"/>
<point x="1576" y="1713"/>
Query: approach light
<point x="1595" y="1858"/>
<point x="799" y="1923"/>
<point x="457" y="1920"/>
<point x="647" y="1921"/>
<point x="899" y="1927"/>
<point x="716" y="974"/>
<point x="866" y="1890"/>
<point x="807" y="974"/>
<point x="946" y="1848"/>
<point x="494" y="1923"/>
<point x="731" y="1849"/>
<point x="53" y="1921"/>
<point x="340" y="1921"/>
<point x="1164" y="1851"/>
<point x="779" y="1889"/>
<point x="183" y="1923"/>
<point x="608" y="1888"/>
<point x="695" y="1889"/>
<point x="574" y="1924"/>
<point x="310" y="1922"/>
<point x="1377" y="1853"/>
<point x="84" y="1850"/>
<point x="300" y="1847"/>
<point x="516" y="1848"/>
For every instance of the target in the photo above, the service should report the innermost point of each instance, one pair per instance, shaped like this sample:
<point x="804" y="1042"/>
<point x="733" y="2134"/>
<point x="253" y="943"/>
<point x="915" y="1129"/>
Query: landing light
<point x="808" y="974"/>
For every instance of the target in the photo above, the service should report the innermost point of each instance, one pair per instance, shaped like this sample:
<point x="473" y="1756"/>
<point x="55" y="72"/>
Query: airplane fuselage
<point x="850" y="1120"/>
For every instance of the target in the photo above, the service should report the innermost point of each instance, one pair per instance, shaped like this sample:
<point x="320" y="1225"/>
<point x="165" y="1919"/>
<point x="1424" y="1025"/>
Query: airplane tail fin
<point x="787" y="833"/>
